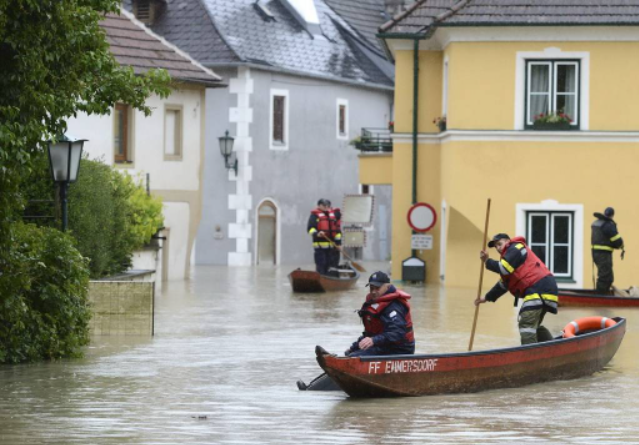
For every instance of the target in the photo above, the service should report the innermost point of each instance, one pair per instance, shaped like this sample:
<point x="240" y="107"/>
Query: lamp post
<point x="226" y="148"/>
<point x="64" y="161"/>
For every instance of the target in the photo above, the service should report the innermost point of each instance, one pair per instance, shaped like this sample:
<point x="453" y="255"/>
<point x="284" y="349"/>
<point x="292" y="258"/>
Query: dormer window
<point x="148" y="11"/>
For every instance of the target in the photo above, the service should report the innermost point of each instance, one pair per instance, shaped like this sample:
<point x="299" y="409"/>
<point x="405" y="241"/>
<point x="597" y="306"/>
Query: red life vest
<point x="335" y="223"/>
<point x="326" y="222"/>
<point x="528" y="273"/>
<point x="372" y="310"/>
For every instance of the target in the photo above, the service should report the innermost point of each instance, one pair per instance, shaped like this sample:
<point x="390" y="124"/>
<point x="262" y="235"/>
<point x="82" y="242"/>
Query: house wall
<point x="612" y="95"/>
<point x="481" y="156"/>
<point x="317" y="163"/>
<point x="177" y="182"/>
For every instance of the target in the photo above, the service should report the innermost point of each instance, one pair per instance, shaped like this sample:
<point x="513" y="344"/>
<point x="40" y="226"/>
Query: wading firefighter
<point x="526" y="277"/>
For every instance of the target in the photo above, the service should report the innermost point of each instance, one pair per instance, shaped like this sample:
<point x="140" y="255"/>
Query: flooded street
<point x="231" y="343"/>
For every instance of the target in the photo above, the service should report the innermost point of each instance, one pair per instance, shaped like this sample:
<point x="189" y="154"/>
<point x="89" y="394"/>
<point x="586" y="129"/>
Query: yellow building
<point x="491" y="72"/>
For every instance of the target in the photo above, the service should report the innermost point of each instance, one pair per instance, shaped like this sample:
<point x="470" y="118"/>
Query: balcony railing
<point x="374" y="140"/>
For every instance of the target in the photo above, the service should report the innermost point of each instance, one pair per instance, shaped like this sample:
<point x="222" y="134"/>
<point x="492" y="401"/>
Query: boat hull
<point x="418" y="375"/>
<point x="590" y="298"/>
<point x="311" y="281"/>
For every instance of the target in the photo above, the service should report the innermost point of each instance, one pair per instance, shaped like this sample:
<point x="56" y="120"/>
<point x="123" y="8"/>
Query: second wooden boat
<point x="590" y="297"/>
<point x="311" y="281"/>
<point x="417" y="375"/>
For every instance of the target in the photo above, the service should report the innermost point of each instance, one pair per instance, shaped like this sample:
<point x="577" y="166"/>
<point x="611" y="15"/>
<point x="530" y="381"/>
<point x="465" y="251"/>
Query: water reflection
<point x="231" y="343"/>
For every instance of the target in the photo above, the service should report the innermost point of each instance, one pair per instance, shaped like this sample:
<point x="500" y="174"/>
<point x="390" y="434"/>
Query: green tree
<point x="54" y="63"/>
<point x="110" y="213"/>
<point x="47" y="316"/>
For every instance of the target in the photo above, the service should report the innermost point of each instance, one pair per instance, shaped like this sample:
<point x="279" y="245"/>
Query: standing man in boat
<point x="605" y="239"/>
<point x="388" y="326"/>
<point x="525" y="276"/>
<point x="335" y="229"/>
<point x="324" y="242"/>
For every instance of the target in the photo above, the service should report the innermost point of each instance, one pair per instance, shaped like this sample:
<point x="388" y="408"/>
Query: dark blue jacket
<point x="394" y="336"/>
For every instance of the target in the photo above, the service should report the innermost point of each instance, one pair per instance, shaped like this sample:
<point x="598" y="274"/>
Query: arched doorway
<point x="267" y="233"/>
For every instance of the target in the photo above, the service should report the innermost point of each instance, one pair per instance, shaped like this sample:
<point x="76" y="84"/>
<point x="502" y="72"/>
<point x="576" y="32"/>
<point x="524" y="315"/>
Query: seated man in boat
<point x="388" y="327"/>
<point x="325" y="241"/>
<point x="525" y="276"/>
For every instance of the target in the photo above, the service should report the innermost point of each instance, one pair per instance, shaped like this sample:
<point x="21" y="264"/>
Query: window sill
<point x="172" y="158"/>
<point x="279" y="146"/>
<point x="123" y="164"/>
<point x="553" y="127"/>
<point x="565" y="280"/>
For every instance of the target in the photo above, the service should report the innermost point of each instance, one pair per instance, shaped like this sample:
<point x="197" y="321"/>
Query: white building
<point x="166" y="148"/>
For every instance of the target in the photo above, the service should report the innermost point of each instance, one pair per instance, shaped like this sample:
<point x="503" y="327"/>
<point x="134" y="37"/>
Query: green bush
<point x="45" y="315"/>
<point x="110" y="215"/>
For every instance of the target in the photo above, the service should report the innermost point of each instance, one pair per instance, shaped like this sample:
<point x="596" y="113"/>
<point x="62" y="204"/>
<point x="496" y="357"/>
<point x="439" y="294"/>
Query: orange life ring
<point x="587" y="323"/>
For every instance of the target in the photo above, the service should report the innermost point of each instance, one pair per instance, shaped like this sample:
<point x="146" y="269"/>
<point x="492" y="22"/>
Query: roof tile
<point x="135" y="46"/>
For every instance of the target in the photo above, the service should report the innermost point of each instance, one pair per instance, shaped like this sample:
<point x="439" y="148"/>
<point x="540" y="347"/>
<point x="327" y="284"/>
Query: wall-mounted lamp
<point x="226" y="148"/>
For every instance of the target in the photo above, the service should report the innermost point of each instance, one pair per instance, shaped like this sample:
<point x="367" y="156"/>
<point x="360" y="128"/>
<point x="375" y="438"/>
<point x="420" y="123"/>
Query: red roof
<point x="136" y="46"/>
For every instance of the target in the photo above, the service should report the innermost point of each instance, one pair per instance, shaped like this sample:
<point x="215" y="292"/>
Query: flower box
<point x="552" y="126"/>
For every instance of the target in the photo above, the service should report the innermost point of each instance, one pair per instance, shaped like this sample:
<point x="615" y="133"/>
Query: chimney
<point x="148" y="11"/>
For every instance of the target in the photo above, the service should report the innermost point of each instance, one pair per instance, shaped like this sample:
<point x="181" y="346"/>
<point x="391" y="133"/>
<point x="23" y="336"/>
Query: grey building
<point x="304" y="77"/>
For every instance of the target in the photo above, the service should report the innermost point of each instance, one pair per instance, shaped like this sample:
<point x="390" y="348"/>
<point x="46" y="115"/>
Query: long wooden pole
<point x="481" y="277"/>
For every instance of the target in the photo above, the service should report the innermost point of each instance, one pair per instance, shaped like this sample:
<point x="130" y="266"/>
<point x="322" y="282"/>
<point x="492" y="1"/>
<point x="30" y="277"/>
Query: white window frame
<point x="549" y="242"/>
<point x="273" y="145"/>
<point x="552" y="54"/>
<point x="576" y="93"/>
<point x="530" y="65"/>
<point x="342" y="136"/>
<point x="578" y="236"/>
<point x="179" y="130"/>
<point x="371" y="189"/>
<point x="552" y="88"/>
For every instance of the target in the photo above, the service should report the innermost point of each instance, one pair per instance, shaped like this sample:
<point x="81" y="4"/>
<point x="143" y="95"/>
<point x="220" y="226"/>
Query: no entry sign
<point x="422" y="217"/>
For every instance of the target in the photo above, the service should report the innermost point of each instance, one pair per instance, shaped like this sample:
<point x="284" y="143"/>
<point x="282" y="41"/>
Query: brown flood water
<point x="231" y="343"/>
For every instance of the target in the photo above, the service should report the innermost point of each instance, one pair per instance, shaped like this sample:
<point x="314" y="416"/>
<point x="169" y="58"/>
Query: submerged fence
<point x="122" y="308"/>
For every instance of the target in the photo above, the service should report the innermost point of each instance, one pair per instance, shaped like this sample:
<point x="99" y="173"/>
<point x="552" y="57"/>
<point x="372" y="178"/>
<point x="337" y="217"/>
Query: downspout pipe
<point x="415" y="120"/>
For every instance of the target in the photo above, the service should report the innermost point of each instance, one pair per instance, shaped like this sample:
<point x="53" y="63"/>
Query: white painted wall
<point x="148" y="141"/>
<point x="148" y="157"/>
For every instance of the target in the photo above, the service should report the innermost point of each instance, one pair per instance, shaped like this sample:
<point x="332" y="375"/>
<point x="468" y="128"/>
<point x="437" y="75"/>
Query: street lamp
<point x="226" y="148"/>
<point x="64" y="160"/>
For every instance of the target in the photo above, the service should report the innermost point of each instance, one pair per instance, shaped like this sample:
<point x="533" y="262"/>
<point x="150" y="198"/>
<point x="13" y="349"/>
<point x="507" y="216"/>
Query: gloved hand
<point x="623" y="253"/>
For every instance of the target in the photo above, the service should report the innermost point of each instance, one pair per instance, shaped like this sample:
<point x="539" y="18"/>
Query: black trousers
<point x="335" y="256"/>
<point x="322" y="260"/>
<point x="605" y="275"/>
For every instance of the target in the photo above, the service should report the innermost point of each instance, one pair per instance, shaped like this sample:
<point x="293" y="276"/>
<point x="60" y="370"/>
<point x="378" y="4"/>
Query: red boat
<point x="418" y="375"/>
<point x="311" y="281"/>
<point x="590" y="297"/>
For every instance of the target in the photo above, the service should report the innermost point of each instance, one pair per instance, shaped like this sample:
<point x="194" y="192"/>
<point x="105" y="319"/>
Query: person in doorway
<point x="605" y="239"/>
<point x="388" y="326"/>
<point x="527" y="277"/>
<point x="324" y="242"/>
<point x="335" y="233"/>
